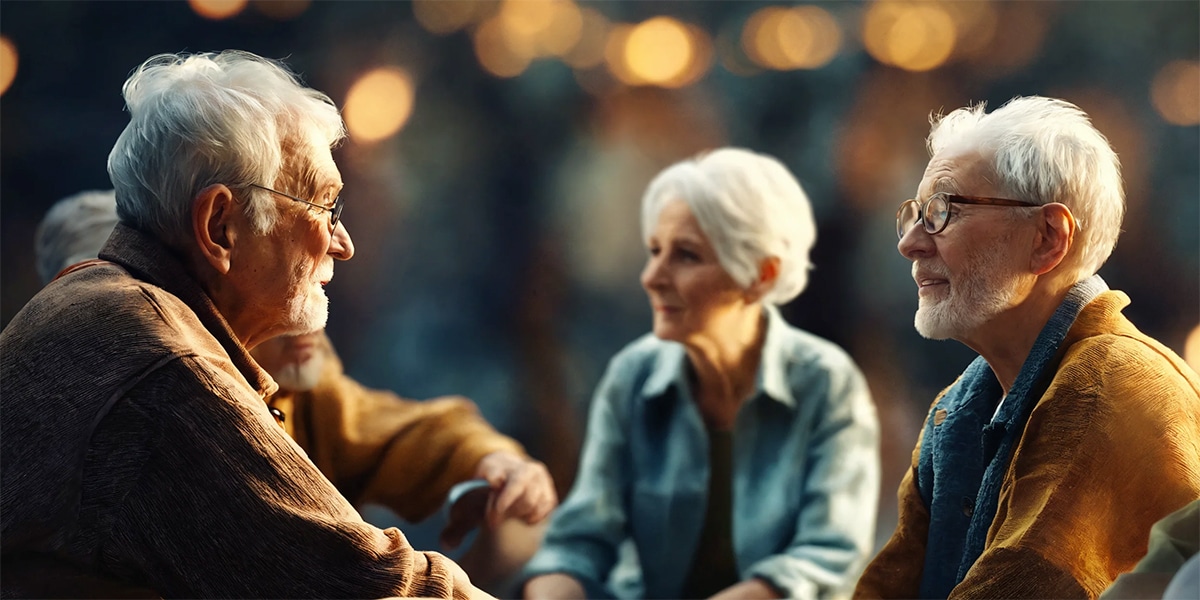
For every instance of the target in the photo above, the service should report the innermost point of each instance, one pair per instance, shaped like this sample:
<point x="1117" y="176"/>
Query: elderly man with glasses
<point x="1040" y="471"/>
<point x="139" y="455"/>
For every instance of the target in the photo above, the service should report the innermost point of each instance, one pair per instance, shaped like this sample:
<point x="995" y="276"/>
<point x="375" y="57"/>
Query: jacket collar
<point x="671" y="367"/>
<point x="149" y="260"/>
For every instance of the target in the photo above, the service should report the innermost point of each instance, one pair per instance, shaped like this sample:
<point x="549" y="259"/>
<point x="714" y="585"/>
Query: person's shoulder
<point x="104" y="302"/>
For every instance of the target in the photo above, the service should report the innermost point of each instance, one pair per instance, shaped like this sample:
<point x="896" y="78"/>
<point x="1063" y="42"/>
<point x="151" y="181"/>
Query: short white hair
<point x="1046" y="150"/>
<point x="196" y="120"/>
<point x="74" y="230"/>
<point x="750" y="207"/>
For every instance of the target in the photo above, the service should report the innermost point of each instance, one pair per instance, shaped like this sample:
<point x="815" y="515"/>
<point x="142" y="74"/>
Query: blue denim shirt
<point x="805" y="471"/>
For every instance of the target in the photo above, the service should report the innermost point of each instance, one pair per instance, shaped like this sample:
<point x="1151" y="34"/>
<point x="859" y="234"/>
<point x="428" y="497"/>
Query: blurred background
<point x="498" y="151"/>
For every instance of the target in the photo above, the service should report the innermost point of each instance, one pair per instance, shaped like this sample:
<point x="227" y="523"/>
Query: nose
<point x="652" y="273"/>
<point x="341" y="246"/>
<point x="916" y="243"/>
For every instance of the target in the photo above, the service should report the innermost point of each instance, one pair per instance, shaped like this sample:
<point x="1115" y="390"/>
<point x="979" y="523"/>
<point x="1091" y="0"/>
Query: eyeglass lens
<point x="933" y="215"/>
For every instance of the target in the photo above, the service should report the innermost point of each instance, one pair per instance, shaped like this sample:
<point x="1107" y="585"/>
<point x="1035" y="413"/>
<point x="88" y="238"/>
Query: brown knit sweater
<point x="139" y="456"/>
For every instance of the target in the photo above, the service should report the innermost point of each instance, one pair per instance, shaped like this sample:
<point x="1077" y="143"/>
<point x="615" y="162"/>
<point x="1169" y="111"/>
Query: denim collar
<point x="671" y="368"/>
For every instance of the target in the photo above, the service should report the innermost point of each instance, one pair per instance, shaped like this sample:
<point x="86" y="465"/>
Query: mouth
<point x="928" y="281"/>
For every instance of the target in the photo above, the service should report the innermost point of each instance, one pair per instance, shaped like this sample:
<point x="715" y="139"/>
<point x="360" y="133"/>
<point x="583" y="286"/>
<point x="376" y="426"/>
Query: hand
<point x="521" y="488"/>
<point x="554" y="585"/>
<point x="518" y="488"/>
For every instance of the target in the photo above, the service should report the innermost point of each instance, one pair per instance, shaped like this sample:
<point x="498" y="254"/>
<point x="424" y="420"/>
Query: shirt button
<point x="968" y="506"/>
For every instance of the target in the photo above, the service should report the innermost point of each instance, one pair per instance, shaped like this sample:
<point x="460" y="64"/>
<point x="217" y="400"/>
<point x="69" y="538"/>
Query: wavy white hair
<point x="1046" y="150"/>
<point x="750" y="207"/>
<point x="195" y="120"/>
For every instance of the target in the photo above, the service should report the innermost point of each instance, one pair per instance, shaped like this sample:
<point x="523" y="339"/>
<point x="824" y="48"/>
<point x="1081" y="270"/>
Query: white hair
<point x="1046" y="150"/>
<point x="74" y="230"/>
<point x="195" y="120"/>
<point x="750" y="207"/>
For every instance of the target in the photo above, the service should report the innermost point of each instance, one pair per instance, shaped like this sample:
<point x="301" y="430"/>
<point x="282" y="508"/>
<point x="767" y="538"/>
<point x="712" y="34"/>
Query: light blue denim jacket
<point x="805" y="471"/>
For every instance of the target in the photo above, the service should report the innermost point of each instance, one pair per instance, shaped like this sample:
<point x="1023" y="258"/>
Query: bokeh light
<point x="499" y="53"/>
<point x="1175" y="92"/>
<point x="915" y="36"/>
<point x="218" y="9"/>
<point x="8" y="63"/>
<point x="977" y="23"/>
<point x="442" y="17"/>
<point x="379" y="104"/>
<point x="803" y="37"/>
<point x="589" y="50"/>
<point x="658" y="50"/>
<point x="282" y="10"/>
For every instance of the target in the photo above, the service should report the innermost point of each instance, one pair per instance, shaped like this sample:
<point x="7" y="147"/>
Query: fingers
<point x="527" y="494"/>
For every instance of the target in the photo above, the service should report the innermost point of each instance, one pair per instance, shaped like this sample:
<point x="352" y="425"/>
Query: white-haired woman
<point x="738" y="453"/>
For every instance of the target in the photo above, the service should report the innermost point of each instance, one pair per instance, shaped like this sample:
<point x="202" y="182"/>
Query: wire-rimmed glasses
<point x="335" y="210"/>
<point x="934" y="212"/>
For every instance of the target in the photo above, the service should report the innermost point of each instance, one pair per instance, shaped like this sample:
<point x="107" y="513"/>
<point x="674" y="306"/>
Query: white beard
<point x="300" y="377"/>
<point x="309" y="312"/>
<point x="985" y="289"/>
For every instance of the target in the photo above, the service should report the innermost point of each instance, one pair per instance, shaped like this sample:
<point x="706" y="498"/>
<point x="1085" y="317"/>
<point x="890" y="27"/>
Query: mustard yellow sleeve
<point x="377" y="447"/>
<point x="896" y="571"/>
<point x="1103" y="456"/>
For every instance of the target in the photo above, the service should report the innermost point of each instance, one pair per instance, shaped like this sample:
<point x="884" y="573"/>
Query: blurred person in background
<point x="738" y="453"/>
<point x="364" y="440"/>
<point x="1040" y="471"/>
<point x="74" y="230"/>
<point x="140" y="457"/>
<point x="1171" y="567"/>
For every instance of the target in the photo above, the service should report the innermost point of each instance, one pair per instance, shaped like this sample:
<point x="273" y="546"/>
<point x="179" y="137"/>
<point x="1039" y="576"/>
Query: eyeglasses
<point x="335" y="210"/>
<point x="934" y="213"/>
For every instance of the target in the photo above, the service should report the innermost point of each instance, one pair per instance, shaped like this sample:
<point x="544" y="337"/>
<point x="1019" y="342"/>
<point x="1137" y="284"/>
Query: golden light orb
<point x="915" y="36"/>
<point x="8" y="63"/>
<point x="217" y="10"/>
<point x="379" y="104"/>
<point x="659" y="50"/>
<point x="589" y="50"/>
<point x="809" y="37"/>
<point x="1175" y="92"/>
<point x="496" y="50"/>
<point x="442" y="17"/>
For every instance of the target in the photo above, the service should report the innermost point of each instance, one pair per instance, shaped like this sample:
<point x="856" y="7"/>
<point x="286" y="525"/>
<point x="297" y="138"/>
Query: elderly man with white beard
<point x="139" y="455"/>
<point x="365" y="440"/>
<point x="1040" y="471"/>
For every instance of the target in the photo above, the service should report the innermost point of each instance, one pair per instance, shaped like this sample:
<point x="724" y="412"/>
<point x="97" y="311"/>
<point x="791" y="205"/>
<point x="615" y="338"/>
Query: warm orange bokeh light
<point x="282" y="10"/>
<point x="379" y="104"/>
<point x="915" y="36"/>
<point x="1175" y="92"/>
<point x="658" y="50"/>
<point x="217" y="9"/>
<point x="443" y="17"/>
<point x="496" y="52"/>
<point x="8" y="63"/>
<point x="589" y="50"/>
<point x="804" y="37"/>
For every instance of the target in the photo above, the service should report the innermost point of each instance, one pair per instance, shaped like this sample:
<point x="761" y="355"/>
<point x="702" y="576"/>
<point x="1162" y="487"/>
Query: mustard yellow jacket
<point x="1110" y="448"/>
<point x="379" y="448"/>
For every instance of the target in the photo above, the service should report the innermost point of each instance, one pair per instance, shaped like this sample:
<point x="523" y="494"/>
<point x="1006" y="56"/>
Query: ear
<point x="1054" y="237"/>
<point x="212" y="210"/>
<point x="768" y="274"/>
